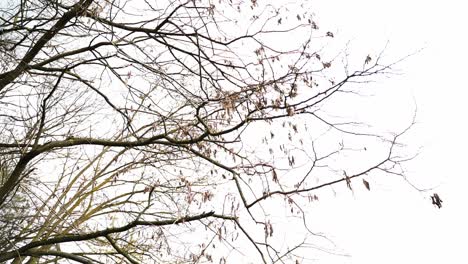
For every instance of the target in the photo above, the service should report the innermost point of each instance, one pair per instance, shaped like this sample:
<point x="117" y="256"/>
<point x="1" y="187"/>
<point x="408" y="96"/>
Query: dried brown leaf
<point x="366" y="183"/>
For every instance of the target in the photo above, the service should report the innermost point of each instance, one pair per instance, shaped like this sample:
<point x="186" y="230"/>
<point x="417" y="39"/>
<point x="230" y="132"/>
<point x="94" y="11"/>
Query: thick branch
<point x="8" y="77"/>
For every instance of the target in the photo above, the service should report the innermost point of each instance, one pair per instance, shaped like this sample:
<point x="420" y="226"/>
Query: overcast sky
<point x="394" y="223"/>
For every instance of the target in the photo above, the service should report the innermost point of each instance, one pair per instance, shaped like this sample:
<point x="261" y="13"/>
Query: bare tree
<point x="139" y="131"/>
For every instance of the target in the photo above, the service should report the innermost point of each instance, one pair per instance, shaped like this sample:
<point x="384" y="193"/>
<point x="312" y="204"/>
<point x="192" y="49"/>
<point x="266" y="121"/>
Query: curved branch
<point x="101" y="233"/>
<point x="60" y="254"/>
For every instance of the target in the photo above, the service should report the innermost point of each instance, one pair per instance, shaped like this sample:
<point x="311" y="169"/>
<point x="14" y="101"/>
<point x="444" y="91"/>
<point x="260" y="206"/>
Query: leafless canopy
<point x="138" y="131"/>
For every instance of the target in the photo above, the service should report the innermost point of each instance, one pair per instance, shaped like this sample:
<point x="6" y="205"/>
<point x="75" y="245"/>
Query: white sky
<point x="395" y="223"/>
